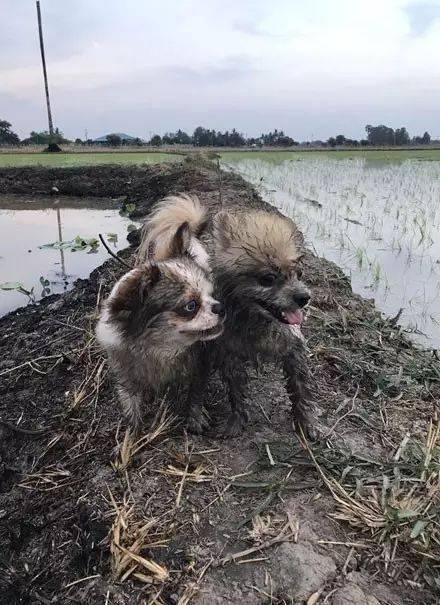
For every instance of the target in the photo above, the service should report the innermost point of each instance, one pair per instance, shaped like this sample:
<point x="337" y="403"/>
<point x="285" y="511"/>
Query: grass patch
<point x="69" y="160"/>
<point x="395" y="503"/>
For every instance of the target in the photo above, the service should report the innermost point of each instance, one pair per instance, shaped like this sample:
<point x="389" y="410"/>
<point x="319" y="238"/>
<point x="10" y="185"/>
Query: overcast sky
<point x="313" y="69"/>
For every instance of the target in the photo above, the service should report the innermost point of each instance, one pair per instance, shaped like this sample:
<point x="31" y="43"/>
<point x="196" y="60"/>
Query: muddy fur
<point x="151" y="326"/>
<point x="255" y="258"/>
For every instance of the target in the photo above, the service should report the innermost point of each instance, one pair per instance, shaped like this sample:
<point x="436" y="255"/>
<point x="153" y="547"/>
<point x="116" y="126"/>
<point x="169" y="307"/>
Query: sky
<point x="313" y="69"/>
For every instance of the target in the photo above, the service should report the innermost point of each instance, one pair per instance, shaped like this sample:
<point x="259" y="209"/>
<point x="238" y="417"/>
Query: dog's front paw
<point x="233" y="425"/>
<point x="305" y="422"/>
<point x="197" y="422"/>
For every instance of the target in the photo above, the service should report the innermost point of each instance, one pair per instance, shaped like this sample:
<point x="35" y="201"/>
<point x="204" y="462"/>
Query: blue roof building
<point x="125" y="138"/>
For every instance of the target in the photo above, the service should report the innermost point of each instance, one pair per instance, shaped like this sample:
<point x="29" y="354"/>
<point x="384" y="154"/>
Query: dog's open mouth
<point x="293" y="319"/>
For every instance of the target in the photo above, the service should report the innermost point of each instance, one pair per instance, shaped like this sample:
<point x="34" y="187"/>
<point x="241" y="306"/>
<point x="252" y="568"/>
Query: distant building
<point x="125" y="138"/>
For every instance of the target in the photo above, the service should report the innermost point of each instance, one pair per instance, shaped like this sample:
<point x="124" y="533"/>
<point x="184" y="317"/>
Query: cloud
<point x="422" y="16"/>
<point x="308" y="68"/>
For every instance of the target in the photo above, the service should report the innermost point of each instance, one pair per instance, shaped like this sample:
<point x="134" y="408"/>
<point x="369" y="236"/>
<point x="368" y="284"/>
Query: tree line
<point x="204" y="137"/>
<point x="381" y="136"/>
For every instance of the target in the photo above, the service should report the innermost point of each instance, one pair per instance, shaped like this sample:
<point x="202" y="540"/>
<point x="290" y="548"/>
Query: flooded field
<point x="47" y="243"/>
<point x="379" y="221"/>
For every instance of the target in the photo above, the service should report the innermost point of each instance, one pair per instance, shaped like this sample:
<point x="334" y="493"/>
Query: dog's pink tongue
<point x="294" y="318"/>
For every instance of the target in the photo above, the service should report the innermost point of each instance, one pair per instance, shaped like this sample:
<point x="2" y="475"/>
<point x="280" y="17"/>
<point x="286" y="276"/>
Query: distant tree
<point x="176" y="138"/>
<point x="380" y="135"/>
<point x="364" y="142"/>
<point x="44" y="138"/>
<point x="182" y="138"/>
<point x="114" y="140"/>
<point x="277" y="138"/>
<point x="426" y="138"/>
<point x="203" y="137"/>
<point x="401" y="136"/>
<point x="137" y="142"/>
<point x="331" y="142"/>
<point x="78" y="142"/>
<point x="340" y="139"/>
<point x="156" y="141"/>
<point x="7" y="136"/>
<point x="236" y="139"/>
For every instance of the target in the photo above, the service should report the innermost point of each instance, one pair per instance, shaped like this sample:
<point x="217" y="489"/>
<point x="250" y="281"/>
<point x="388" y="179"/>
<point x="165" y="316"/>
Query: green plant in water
<point x="18" y="287"/>
<point x="360" y="256"/>
<point x="46" y="286"/>
<point x="377" y="272"/>
<point x="127" y="209"/>
<point x="74" y="245"/>
<point x="112" y="237"/>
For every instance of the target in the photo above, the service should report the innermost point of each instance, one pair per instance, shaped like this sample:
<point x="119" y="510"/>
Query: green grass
<point x="83" y="159"/>
<point x="380" y="155"/>
<point x="87" y="159"/>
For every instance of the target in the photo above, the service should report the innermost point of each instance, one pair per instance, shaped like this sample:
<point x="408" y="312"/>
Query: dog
<point x="152" y="324"/>
<point x="255" y="259"/>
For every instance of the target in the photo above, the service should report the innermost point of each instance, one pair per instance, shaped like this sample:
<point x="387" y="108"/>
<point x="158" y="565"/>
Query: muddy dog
<point x="153" y="323"/>
<point x="255" y="259"/>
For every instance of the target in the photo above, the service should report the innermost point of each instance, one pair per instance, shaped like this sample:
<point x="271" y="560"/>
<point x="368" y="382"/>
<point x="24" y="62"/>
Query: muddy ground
<point x="262" y="518"/>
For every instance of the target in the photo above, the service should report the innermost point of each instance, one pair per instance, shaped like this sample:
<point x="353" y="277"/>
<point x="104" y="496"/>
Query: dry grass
<point x="127" y="450"/>
<point x="402" y="515"/>
<point x="128" y="538"/>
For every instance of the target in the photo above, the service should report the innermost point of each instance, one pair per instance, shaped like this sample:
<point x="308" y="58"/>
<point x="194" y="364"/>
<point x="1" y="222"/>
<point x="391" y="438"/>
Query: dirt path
<point x="264" y="518"/>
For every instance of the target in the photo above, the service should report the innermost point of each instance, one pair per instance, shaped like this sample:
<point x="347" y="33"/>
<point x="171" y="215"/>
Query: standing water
<point x="380" y="222"/>
<point x="47" y="243"/>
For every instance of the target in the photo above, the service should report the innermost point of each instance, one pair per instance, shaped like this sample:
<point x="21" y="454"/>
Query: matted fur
<point x="150" y="336"/>
<point x="256" y="237"/>
<point x="162" y="224"/>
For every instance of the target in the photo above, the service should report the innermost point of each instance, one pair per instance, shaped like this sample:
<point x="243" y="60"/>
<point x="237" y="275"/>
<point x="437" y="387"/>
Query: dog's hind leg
<point x="296" y="373"/>
<point x="235" y="375"/>
<point x="197" y="420"/>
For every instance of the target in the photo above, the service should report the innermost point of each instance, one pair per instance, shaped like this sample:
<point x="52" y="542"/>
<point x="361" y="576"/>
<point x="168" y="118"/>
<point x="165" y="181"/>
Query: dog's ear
<point x="223" y="232"/>
<point x="181" y="241"/>
<point x="132" y="290"/>
<point x="150" y="277"/>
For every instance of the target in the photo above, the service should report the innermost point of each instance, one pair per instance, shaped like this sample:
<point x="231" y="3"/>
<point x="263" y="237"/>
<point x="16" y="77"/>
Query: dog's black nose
<point x="301" y="299"/>
<point x="218" y="309"/>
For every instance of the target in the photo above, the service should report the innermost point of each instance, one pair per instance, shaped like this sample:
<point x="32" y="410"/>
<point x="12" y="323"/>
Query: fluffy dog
<point x="255" y="259"/>
<point x="152" y="324"/>
<point x="257" y="271"/>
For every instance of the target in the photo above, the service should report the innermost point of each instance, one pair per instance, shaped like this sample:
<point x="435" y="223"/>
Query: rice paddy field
<point x="66" y="160"/>
<point x="377" y="219"/>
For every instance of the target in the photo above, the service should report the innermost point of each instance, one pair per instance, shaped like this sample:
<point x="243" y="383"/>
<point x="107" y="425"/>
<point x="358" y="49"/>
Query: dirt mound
<point x="87" y="517"/>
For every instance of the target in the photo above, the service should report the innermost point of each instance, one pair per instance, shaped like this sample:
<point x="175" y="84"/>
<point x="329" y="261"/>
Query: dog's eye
<point x="191" y="306"/>
<point x="268" y="279"/>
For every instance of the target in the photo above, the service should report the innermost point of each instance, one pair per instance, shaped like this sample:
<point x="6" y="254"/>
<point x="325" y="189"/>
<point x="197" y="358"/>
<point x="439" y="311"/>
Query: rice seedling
<point x="360" y="205"/>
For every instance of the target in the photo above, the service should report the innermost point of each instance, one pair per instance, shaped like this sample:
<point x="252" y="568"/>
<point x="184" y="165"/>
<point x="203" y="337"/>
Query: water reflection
<point x="26" y="224"/>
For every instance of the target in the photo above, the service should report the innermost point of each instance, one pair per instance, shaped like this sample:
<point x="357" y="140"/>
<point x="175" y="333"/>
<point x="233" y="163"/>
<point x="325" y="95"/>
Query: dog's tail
<point x="171" y="215"/>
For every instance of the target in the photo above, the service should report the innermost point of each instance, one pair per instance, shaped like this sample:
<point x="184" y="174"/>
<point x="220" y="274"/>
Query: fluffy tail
<point x="161" y="226"/>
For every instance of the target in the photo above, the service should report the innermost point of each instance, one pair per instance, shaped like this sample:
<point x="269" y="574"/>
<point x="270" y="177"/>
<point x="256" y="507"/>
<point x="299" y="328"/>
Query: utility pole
<point x="52" y="146"/>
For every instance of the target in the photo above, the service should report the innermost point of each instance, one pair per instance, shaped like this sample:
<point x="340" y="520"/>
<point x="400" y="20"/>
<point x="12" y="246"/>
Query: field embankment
<point x="86" y="517"/>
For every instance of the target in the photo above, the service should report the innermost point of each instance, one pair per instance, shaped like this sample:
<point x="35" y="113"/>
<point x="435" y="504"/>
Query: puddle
<point x="380" y="222"/>
<point x="27" y="223"/>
